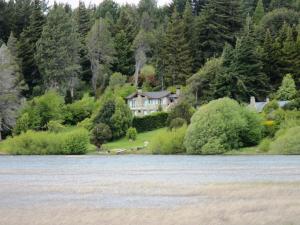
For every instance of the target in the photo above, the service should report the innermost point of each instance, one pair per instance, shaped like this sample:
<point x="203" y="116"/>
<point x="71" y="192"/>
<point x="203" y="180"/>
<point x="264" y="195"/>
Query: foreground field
<point x="150" y="190"/>
<point x="226" y="204"/>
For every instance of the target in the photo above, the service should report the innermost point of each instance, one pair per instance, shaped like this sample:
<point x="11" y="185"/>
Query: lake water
<point x="130" y="181"/>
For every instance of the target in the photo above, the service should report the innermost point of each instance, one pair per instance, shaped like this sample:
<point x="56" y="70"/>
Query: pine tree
<point x="101" y="54"/>
<point x="27" y="46"/>
<point x="287" y="90"/>
<point x="126" y="27"/>
<point x="178" y="57"/>
<point x="188" y="24"/>
<point x="259" y="12"/>
<point x="57" y="52"/>
<point x="10" y="90"/>
<point x="198" y="5"/>
<point x="271" y="57"/>
<point x="23" y="11"/>
<point x="84" y="24"/>
<point x="217" y="24"/>
<point x="124" y="54"/>
<point x="243" y="70"/>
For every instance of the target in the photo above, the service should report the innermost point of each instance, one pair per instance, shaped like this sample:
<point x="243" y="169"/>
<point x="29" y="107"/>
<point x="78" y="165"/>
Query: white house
<point x="144" y="103"/>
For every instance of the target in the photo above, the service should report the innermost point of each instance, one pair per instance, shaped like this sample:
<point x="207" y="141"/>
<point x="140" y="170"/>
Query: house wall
<point x="141" y="106"/>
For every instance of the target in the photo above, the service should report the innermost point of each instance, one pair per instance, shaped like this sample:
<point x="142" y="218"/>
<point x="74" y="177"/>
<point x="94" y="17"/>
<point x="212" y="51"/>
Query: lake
<point x="41" y="186"/>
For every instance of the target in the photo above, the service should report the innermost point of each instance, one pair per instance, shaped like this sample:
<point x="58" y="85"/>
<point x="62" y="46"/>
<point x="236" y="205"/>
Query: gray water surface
<point x="130" y="181"/>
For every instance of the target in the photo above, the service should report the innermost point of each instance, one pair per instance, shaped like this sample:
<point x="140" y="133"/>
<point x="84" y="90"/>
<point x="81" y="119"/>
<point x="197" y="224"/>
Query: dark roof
<point x="152" y="95"/>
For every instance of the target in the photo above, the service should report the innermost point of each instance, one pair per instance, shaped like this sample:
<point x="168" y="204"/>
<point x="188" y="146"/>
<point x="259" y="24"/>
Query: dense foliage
<point x="48" y="143"/>
<point x="169" y="142"/>
<point x="150" y="122"/>
<point x="220" y="126"/>
<point x="74" y="67"/>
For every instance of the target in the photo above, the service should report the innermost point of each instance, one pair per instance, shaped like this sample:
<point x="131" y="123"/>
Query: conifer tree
<point x="198" y="5"/>
<point x="57" y="52"/>
<point x="188" y="24"/>
<point x="27" y="46"/>
<point x="287" y="90"/>
<point x="259" y="12"/>
<point x="217" y="24"/>
<point x="84" y="24"/>
<point x="243" y="69"/>
<point x="178" y="57"/>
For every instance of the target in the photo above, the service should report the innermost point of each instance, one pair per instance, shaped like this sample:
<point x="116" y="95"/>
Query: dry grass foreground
<point x="224" y="204"/>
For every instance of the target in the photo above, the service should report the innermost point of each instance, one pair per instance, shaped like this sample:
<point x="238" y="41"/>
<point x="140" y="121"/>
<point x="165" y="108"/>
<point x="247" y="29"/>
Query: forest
<point x="93" y="56"/>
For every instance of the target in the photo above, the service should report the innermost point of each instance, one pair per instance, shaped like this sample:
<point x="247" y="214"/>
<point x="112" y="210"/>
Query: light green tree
<point x="287" y="90"/>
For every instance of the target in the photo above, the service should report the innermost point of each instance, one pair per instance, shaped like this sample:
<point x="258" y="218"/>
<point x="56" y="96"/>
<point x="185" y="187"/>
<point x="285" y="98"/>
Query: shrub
<point x="150" y="122"/>
<point x="176" y="123"/>
<point x="213" y="147"/>
<point x="117" y="80"/>
<point x="131" y="134"/>
<point x="183" y="110"/>
<point x="169" y="142"/>
<point x="43" y="109"/>
<point x="22" y="125"/>
<point x="79" y="110"/>
<point x="55" y="126"/>
<point x="269" y="128"/>
<point x="48" y="143"/>
<point x="86" y="123"/>
<point x="264" y="145"/>
<point x="288" y="142"/>
<point x="222" y="123"/>
<point x="116" y="114"/>
<point x="100" y="134"/>
<point x="76" y="142"/>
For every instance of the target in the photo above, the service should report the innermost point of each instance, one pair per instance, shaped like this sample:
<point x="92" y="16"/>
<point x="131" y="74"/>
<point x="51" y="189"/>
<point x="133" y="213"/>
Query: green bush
<point x="55" y="126"/>
<point x="86" y="124"/>
<point x="41" y="110"/>
<point x="116" y="114"/>
<point x="22" y="125"/>
<point x="101" y="133"/>
<point x="169" y="142"/>
<point x="288" y="142"/>
<point x="48" y="143"/>
<point x="79" y="110"/>
<point x="150" y="122"/>
<point x="131" y="134"/>
<point x="182" y="110"/>
<point x="222" y="123"/>
<point x="264" y="145"/>
<point x="177" y="122"/>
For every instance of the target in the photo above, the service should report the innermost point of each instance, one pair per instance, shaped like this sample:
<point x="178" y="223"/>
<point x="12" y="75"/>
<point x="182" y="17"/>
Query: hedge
<point x="150" y="122"/>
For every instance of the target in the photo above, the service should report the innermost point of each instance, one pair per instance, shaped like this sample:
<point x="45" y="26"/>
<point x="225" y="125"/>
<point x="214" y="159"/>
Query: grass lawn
<point x="124" y="143"/>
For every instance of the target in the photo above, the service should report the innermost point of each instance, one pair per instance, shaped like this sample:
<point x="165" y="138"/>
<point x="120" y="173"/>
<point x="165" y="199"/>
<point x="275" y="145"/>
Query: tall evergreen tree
<point x="178" y="57"/>
<point x="57" y="51"/>
<point x="23" y="11"/>
<point x="84" y="24"/>
<point x="259" y="12"/>
<point x="127" y="29"/>
<point x="217" y="24"/>
<point x="27" y="46"/>
<point x="101" y="54"/>
<point x="198" y="5"/>
<point x="189" y="28"/>
<point x="243" y="69"/>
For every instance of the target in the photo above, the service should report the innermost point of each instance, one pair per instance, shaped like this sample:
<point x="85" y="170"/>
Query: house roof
<point x="152" y="95"/>
<point x="260" y="105"/>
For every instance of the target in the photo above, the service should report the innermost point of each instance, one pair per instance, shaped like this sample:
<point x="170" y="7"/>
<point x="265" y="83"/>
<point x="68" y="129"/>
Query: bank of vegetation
<point x="65" y="73"/>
